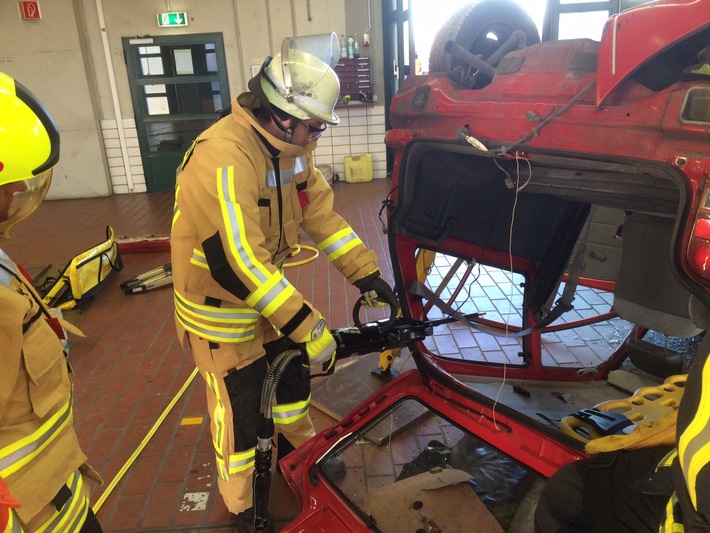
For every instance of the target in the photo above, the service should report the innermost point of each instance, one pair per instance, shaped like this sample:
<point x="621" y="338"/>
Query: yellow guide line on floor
<point x="143" y="444"/>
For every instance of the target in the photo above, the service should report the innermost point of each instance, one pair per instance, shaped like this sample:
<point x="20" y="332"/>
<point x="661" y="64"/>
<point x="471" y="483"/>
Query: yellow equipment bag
<point x="84" y="276"/>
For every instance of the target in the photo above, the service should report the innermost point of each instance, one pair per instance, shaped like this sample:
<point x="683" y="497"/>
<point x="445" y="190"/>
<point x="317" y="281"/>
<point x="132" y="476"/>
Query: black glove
<point x="376" y="292"/>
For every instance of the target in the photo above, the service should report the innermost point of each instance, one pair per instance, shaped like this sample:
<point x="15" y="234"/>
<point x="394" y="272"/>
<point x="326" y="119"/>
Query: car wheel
<point x="480" y="28"/>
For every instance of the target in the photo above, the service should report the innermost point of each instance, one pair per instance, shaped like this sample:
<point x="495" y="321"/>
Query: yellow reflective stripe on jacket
<point x="218" y="421"/>
<point x="216" y="333"/>
<point x="13" y="524"/>
<point x="667" y="459"/>
<point x="199" y="259"/>
<point x="694" y="442"/>
<point x="339" y="243"/>
<point x="234" y="222"/>
<point x="176" y="209"/>
<point x="18" y="454"/>
<point x="216" y="323"/>
<point x="290" y="412"/>
<point x="238" y="462"/>
<point x="271" y="295"/>
<point x="71" y="517"/>
<point x="211" y="313"/>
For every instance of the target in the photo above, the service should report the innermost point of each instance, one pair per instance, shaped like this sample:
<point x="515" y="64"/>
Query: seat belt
<point x="564" y="304"/>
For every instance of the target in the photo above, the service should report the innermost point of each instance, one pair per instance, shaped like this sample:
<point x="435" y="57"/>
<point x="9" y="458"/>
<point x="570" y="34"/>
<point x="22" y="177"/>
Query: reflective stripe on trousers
<point x="288" y="413"/>
<point x="233" y="463"/>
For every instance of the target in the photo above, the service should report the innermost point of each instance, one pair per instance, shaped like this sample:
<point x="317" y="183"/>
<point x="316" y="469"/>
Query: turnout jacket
<point x="39" y="449"/>
<point x="689" y="507"/>
<point x="241" y="197"/>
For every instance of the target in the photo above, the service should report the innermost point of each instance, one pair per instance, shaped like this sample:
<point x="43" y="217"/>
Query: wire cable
<point x="518" y="188"/>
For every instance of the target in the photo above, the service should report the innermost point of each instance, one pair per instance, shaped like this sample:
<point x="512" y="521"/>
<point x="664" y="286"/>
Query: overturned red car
<point x="562" y="165"/>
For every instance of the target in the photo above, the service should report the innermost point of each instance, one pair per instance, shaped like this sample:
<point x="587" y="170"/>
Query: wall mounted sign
<point x="172" y="19"/>
<point x="30" y="10"/>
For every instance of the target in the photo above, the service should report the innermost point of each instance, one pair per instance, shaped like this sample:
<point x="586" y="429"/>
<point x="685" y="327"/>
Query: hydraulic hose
<point x="261" y="480"/>
<point x="315" y="251"/>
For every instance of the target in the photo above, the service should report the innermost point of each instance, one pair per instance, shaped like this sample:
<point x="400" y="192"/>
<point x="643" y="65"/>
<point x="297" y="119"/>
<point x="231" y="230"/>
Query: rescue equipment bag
<point x="84" y="275"/>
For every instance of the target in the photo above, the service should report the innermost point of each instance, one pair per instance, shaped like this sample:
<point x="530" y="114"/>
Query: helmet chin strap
<point x="288" y="132"/>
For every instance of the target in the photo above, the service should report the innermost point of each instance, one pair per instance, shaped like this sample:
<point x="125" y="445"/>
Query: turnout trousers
<point x="233" y="400"/>
<point x="612" y="493"/>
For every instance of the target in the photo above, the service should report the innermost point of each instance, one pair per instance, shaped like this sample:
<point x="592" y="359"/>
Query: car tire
<point x="471" y="27"/>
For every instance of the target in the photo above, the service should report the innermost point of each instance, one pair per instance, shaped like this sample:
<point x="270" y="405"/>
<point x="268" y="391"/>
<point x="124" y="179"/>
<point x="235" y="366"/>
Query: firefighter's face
<point x="7" y="195"/>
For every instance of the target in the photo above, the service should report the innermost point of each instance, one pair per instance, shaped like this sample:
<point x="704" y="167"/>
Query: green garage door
<point x="178" y="86"/>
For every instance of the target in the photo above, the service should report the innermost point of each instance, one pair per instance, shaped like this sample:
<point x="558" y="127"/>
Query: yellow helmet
<point x="299" y="83"/>
<point x="29" y="149"/>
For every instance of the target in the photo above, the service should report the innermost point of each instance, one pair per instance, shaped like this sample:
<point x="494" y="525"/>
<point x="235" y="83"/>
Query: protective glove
<point x="320" y="345"/>
<point x="376" y="292"/>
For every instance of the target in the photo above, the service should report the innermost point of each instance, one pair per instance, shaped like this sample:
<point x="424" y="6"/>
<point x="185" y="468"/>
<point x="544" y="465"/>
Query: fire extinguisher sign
<point x="30" y="10"/>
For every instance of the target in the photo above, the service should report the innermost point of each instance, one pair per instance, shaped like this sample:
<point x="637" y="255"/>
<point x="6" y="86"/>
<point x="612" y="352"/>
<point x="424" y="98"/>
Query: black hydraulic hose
<point x="271" y="381"/>
<point x="261" y="480"/>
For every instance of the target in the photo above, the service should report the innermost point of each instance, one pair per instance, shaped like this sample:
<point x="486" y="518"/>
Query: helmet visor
<point x="308" y="82"/>
<point x="19" y="199"/>
<point x="324" y="46"/>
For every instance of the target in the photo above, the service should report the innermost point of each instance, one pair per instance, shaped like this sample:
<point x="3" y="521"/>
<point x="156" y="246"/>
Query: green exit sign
<point x="172" y="19"/>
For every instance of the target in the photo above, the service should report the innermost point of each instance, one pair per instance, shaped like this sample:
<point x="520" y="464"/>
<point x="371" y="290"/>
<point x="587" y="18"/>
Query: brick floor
<point x="129" y="367"/>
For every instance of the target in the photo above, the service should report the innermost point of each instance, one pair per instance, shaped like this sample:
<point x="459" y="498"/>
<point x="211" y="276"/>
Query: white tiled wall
<point x="114" y="156"/>
<point x="361" y="131"/>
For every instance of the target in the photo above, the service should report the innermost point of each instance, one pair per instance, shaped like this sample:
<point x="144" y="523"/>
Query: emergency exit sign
<point x="172" y="19"/>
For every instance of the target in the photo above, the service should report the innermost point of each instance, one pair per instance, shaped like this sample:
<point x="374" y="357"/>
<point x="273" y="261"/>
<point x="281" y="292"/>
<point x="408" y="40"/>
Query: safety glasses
<point x="314" y="132"/>
<point x="313" y="129"/>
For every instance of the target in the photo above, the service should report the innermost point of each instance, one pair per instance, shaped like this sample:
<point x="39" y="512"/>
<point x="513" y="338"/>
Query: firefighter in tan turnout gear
<point x="40" y="458"/>
<point x="246" y="186"/>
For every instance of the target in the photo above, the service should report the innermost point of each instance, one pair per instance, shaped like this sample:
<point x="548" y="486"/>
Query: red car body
<point x="624" y="124"/>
